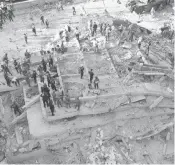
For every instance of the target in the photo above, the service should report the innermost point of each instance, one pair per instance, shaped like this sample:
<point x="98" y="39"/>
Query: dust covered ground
<point x="125" y="128"/>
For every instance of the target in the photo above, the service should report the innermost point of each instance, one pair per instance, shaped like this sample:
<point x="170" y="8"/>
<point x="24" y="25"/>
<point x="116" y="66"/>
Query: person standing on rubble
<point x="107" y="32"/>
<point x="58" y="98"/>
<point x="91" y="74"/>
<point x="81" y="71"/>
<point x="96" y="82"/>
<point x="34" y="29"/>
<point x="140" y="41"/>
<point x="78" y="103"/>
<point x="16" y="108"/>
<point x="54" y="97"/>
<point x="10" y="16"/>
<point x="52" y="107"/>
<point x="42" y="19"/>
<point x="48" y="78"/>
<point x="74" y="12"/>
<point x="94" y="29"/>
<point x="45" y="99"/>
<point x="16" y="65"/>
<point x="47" y="23"/>
<point x="95" y="45"/>
<point x="148" y="48"/>
<point x="8" y="81"/>
<point x="50" y="61"/>
<point x="44" y="64"/>
<point x="34" y="75"/>
<point x="25" y="37"/>
<point x="90" y="24"/>
<point x="53" y="86"/>
<point x="67" y="101"/>
<point x="41" y="75"/>
<point x="27" y="78"/>
<point x="77" y="34"/>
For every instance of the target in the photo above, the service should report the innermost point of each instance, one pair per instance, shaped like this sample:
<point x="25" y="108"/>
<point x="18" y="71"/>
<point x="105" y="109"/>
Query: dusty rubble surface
<point x="129" y="120"/>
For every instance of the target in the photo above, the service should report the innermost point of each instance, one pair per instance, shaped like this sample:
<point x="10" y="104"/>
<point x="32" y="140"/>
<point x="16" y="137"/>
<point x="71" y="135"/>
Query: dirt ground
<point x="71" y="140"/>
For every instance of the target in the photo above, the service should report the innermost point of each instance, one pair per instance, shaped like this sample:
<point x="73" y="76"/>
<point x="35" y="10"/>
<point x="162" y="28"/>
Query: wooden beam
<point x="156" y="102"/>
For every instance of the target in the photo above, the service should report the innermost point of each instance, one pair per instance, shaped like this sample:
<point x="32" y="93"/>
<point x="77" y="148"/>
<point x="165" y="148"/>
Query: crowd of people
<point x="6" y="13"/>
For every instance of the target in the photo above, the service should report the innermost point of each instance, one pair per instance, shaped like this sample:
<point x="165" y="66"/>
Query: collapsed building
<point x="130" y="119"/>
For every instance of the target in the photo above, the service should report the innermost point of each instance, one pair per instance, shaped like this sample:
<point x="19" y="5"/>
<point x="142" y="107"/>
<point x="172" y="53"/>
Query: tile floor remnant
<point x="122" y="113"/>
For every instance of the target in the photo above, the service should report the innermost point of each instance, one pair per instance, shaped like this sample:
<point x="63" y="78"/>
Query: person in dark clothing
<point x="81" y="71"/>
<point x="52" y="107"/>
<point x="34" y="75"/>
<point x="94" y="29"/>
<point x="48" y="78"/>
<point x="16" y="65"/>
<point x="50" y="61"/>
<point x="47" y="23"/>
<point x="33" y="29"/>
<point x="101" y="28"/>
<point x="91" y="74"/>
<point x="45" y="98"/>
<point x="19" y="68"/>
<point x="46" y="89"/>
<point x="149" y="44"/>
<point x="44" y="64"/>
<point x="5" y="59"/>
<point x="53" y="86"/>
<point x="6" y="69"/>
<point x="77" y="34"/>
<point x="96" y="81"/>
<point x="16" y="108"/>
<point x="42" y="20"/>
<point x="78" y="103"/>
<point x="74" y="12"/>
<point x="10" y="16"/>
<point x="25" y="37"/>
<point x="41" y="75"/>
<point x="8" y="81"/>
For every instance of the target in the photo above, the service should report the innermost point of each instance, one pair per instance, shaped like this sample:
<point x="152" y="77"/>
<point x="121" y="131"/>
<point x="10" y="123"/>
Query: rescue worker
<point x="90" y="24"/>
<point x="95" y="45"/>
<point x="67" y="101"/>
<point x="34" y="75"/>
<point x="8" y="81"/>
<point x="78" y="103"/>
<point x="41" y="75"/>
<point x="48" y="78"/>
<point x="58" y="98"/>
<point x="46" y="90"/>
<point x="34" y="29"/>
<point x="74" y="12"/>
<point x="81" y="71"/>
<point x="19" y="68"/>
<point x="140" y="41"/>
<point x="96" y="82"/>
<point x="148" y="48"/>
<point x="45" y="98"/>
<point x="10" y="16"/>
<point x="107" y="33"/>
<point x="101" y="28"/>
<point x="25" y="37"/>
<point x="16" y="65"/>
<point x="5" y="58"/>
<point x="16" y="108"/>
<point x="52" y="107"/>
<point x="42" y="19"/>
<point x="44" y="64"/>
<point x="50" y="61"/>
<point x="54" y="97"/>
<point x="27" y="78"/>
<point x="94" y="29"/>
<point x="91" y="74"/>
<point x="53" y="86"/>
<point x="77" y="34"/>
<point x="5" y="68"/>
<point x="47" y="23"/>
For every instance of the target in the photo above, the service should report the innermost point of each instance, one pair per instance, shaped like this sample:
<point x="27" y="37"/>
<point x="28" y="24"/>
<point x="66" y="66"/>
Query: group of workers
<point x="6" y="12"/>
